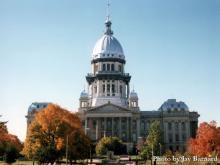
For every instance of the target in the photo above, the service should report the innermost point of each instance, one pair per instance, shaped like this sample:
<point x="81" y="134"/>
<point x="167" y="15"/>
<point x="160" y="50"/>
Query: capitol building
<point x="110" y="108"/>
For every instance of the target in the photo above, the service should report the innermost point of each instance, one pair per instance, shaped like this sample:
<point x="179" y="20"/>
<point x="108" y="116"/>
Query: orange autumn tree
<point x="48" y="132"/>
<point x="207" y="141"/>
<point x="10" y="145"/>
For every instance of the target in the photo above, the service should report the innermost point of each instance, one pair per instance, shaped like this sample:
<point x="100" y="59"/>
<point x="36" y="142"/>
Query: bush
<point x="110" y="144"/>
<point x="11" y="154"/>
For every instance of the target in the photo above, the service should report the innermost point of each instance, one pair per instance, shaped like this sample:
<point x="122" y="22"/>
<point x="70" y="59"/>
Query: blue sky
<point x="172" y="50"/>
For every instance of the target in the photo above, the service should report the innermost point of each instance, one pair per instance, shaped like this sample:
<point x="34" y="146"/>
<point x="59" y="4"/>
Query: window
<point x="176" y="126"/>
<point x="94" y="124"/>
<point x="171" y="148"/>
<point x="103" y="67"/>
<point x="170" y="126"/>
<point x="184" y="137"/>
<point x="120" y="89"/>
<point x="177" y="137"/>
<point x="113" y="89"/>
<point x="119" y="68"/>
<point x="108" y="89"/>
<point x="113" y="67"/>
<point x="108" y="67"/>
<point x="170" y="137"/>
<point x="183" y="126"/>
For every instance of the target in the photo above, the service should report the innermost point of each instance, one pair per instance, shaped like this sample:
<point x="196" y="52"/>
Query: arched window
<point x="103" y="67"/>
<point x="113" y="67"/>
<point x="108" y="67"/>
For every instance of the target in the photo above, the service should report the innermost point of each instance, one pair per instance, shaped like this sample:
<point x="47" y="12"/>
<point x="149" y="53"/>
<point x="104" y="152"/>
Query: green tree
<point x="110" y="144"/>
<point x="153" y="141"/>
<point x="79" y="145"/>
<point x="10" y="154"/>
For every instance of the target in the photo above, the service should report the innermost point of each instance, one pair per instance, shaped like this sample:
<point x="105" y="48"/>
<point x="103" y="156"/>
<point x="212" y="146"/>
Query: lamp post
<point x="67" y="149"/>
<point x="160" y="149"/>
<point x="152" y="154"/>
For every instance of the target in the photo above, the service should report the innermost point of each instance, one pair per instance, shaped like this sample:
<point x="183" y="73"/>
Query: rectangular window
<point x="108" y="88"/>
<point x="177" y="137"/>
<point x="170" y="137"/>
<point x="184" y="137"/>
<point x="103" y="67"/>
<point x="176" y="126"/>
<point x="113" y="88"/>
<point x="183" y="126"/>
<point x="169" y="126"/>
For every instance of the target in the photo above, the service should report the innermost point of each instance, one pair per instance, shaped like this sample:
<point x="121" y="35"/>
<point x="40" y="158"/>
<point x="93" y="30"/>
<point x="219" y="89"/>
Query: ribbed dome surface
<point x="108" y="46"/>
<point x="133" y="94"/>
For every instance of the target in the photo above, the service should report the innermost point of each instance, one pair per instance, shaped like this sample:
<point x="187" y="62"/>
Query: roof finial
<point x="108" y="11"/>
<point x="108" y="22"/>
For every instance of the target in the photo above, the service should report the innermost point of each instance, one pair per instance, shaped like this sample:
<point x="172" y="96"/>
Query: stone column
<point x="180" y="131"/>
<point x="138" y="128"/>
<point x="128" y="90"/>
<point x="105" y="122"/>
<point x="112" y="126"/>
<point x="97" y="130"/>
<point x="127" y="127"/>
<point x="85" y="128"/>
<point x="120" y="127"/>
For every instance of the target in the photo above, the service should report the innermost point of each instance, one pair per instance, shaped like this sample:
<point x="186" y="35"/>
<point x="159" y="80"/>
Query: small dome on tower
<point x="84" y="94"/>
<point x="133" y="94"/>
<point x="108" y="46"/>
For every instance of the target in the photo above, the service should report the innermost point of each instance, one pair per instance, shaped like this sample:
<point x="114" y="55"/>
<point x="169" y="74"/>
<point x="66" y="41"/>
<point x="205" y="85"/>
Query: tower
<point x="108" y="82"/>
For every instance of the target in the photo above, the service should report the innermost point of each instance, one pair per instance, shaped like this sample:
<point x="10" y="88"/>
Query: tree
<point x="153" y="141"/>
<point x="79" y="145"/>
<point x="48" y="132"/>
<point x="10" y="145"/>
<point x="110" y="144"/>
<point x="11" y="154"/>
<point x="207" y="141"/>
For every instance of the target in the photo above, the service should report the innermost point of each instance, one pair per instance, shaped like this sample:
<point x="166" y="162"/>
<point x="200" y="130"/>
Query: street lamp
<point x="67" y="149"/>
<point x="160" y="149"/>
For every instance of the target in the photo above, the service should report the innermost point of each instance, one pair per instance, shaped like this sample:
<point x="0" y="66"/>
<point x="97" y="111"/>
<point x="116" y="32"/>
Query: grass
<point x="19" y="163"/>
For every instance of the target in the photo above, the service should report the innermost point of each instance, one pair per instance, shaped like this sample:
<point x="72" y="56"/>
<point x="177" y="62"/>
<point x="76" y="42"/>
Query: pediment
<point x="109" y="108"/>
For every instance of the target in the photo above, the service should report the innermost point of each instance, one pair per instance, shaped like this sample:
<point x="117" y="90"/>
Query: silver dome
<point x="108" y="46"/>
<point x="133" y="94"/>
<point x="84" y="94"/>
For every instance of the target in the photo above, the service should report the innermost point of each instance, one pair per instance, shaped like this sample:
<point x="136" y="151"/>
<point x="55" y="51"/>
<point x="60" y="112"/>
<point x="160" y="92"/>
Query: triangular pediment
<point x="109" y="108"/>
